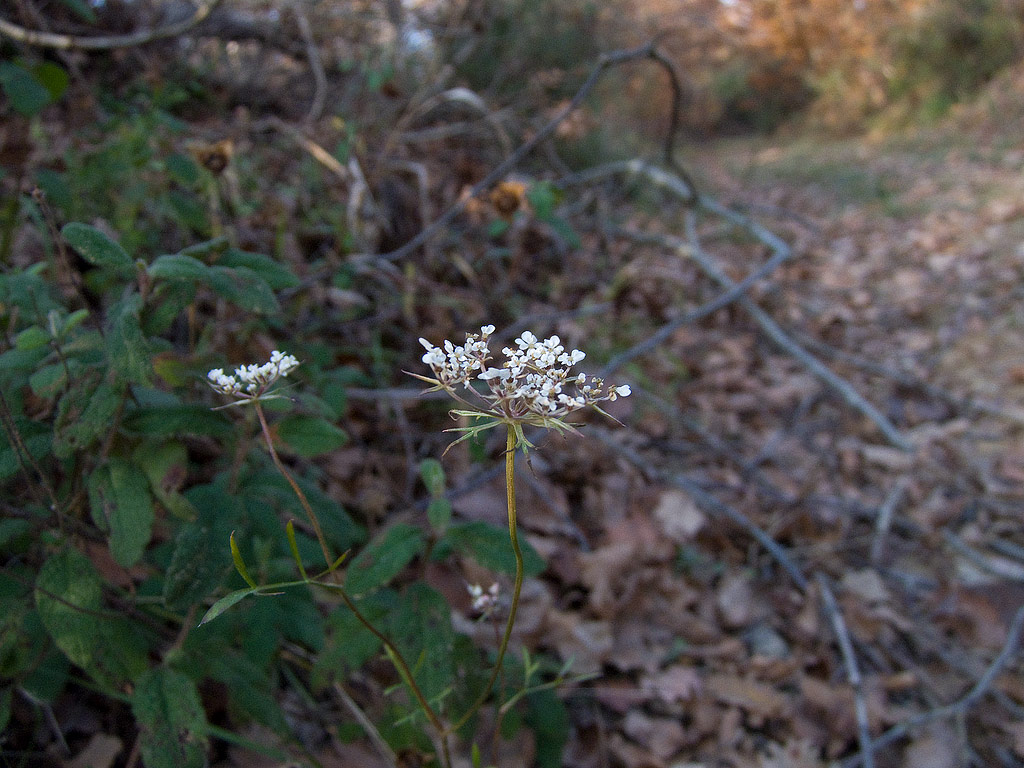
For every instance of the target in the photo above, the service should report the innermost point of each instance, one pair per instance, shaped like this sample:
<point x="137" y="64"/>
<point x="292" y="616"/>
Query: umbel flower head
<point x="253" y="382"/>
<point x="534" y="386"/>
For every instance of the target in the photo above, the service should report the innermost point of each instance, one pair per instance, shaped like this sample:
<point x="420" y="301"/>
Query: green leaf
<point x="383" y="558"/>
<point x="276" y="274"/>
<point x="240" y="566"/>
<point x="53" y="77"/>
<point x="68" y="596"/>
<point x="84" y="417"/>
<point x="98" y="249"/>
<point x="130" y="353"/>
<point x="309" y="435"/>
<point x="55" y="187"/>
<point x="120" y="502"/>
<point x="31" y="338"/>
<point x="38" y="445"/>
<point x="421" y="627"/>
<point x="549" y="719"/>
<point x="171" y="720"/>
<point x="28" y="96"/>
<point x="182" y="168"/>
<point x="169" y="420"/>
<point x="73" y="320"/>
<point x="226" y="602"/>
<point x="544" y="197"/>
<point x="174" y="266"/>
<point x="433" y="476"/>
<point x="439" y="514"/>
<point x="48" y="381"/>
<point x="244" y="288"/>
<point x="350" y="645"/>
<point x="195" y="569"/>
<point x="490" y="546"/>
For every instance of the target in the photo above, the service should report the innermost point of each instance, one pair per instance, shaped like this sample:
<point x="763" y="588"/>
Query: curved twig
<point x="104" y="42"/>
<point x="959" y="707"/>
<point x="647" y="51"/>
<point x="852" y="671"/>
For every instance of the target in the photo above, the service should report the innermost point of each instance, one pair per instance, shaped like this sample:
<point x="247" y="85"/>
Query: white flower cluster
<point x="534" y="384"/>
<point x="250" y="381"/>
<point x="483" y="601"/>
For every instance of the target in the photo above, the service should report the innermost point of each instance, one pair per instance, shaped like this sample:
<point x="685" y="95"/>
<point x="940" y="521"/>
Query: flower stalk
<point x="253" y="384"/>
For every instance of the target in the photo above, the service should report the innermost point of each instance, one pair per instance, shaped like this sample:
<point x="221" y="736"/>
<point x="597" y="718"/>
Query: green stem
<point x="393" y="652"/>
<point x="399" y="661"/>
<point x="510" y="492"/>
<point x="314" y="521"/>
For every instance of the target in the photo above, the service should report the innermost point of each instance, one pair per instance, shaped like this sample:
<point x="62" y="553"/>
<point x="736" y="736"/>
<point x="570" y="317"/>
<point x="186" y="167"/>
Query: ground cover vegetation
<point x="718" y="303"/>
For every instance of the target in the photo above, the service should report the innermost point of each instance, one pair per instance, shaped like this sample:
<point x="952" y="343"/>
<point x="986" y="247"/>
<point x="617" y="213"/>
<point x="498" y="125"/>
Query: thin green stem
<point x="510" y="492"/>
<point x="399" y="661"/>
<point x="393" y="652"/>
<point x="314" y="521"/>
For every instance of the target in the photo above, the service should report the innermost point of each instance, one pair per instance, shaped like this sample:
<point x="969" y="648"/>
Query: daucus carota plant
<point x="533" y="387"/>
<point x="251" y="385"/>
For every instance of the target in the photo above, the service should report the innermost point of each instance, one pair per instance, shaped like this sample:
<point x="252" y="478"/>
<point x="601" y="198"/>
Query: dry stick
<point x="646" y="51"/>
<point x="316" y="107"/>
<point x="708" y="502"/>
<point x="853" y="398"/>
<point x="382" y="747"/>
<point x="852" y="671"/>
<point x="734" y="292"/>
<point x="1004" y="569"/>
<point x="884" y="521"/>
<point x="966" y="404"/>
<point x="105" y="42"/>
<point x="959" y="707"/>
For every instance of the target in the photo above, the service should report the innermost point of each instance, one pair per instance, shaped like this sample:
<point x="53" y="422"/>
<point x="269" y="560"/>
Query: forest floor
<point x="906" y="279"/>
<point x="757" y="575"/>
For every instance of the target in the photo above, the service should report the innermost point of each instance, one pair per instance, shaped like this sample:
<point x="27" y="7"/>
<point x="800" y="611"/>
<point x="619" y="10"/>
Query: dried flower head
<point x="534" y="386"/>
<point x="253" y="382"/>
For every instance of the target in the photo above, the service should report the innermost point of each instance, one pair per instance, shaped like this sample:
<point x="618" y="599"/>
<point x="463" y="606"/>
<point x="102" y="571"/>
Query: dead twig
<point x="105" y="42"/>
<point x="852" y="671"/>
<point x="692" y="248"/>
<point x="962" y="705"/>
<point x="884" y="520"/>
<point x="316" y="107"/>
<point x="708" y="502"/>
<point x="382" y="747"/>
<point x="734" y="292"/>
<point x="646" y="51"/>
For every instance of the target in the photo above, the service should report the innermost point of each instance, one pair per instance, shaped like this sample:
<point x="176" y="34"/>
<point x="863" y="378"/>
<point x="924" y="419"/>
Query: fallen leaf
<point x="679" y="516"/>
<point x="662" y="736"/>
<point x="750" y="695"/>
<point x="677" y="683"/>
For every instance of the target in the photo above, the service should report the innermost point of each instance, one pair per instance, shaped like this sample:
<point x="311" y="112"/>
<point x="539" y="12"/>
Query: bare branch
<point x="959" y="707"/>
<point x="852" y="671"/>
<point x="708" y="502"/>
<point x="105" y="42"/>
<point x="646" y="51"/>
<point x="853" y="398"/>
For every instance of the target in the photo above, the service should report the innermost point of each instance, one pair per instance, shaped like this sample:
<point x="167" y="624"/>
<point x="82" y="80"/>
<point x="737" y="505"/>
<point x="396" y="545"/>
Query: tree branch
<point x="104" y="42"/>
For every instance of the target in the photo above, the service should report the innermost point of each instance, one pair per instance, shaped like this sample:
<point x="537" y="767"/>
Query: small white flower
<point x="483" y="602"/>
<point x="528" y="386"/>
<point x="253" y="381"/>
